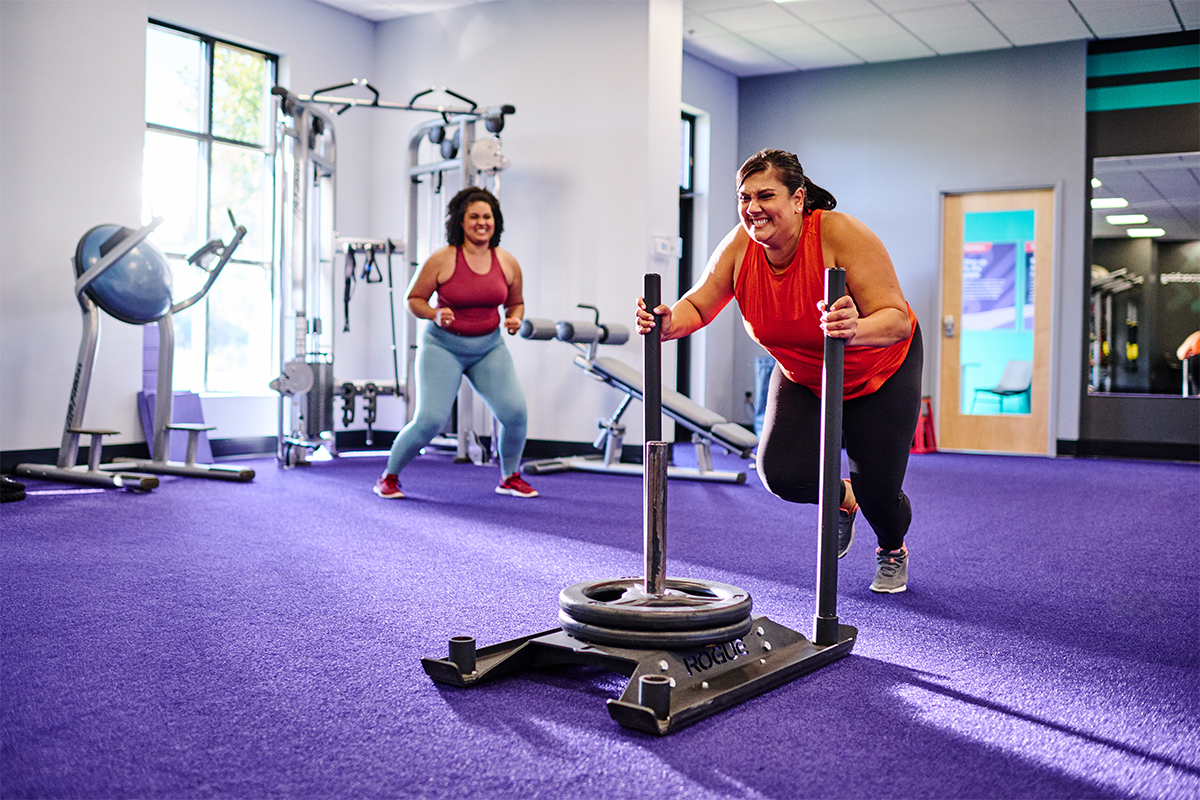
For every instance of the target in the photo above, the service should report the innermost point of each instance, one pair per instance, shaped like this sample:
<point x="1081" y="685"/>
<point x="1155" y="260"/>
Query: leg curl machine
<point x="707" y="426"/>
<point x="690" y="647"/>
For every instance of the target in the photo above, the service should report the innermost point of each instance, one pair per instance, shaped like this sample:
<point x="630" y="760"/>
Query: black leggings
<point x="877" y="430"/>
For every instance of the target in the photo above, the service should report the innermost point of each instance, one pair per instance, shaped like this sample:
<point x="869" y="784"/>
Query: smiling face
<point x="478" y="223"/>
<point x="769" y="212"/>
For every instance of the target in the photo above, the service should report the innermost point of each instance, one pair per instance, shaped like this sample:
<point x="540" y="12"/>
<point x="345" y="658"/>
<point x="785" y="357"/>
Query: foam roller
<point x="578" y="332"/>
<point x="537" y="329"/>
<point x="614" y="334"/>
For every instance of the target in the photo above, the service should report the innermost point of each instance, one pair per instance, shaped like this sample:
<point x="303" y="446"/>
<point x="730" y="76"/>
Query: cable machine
<point x="1106" y="286"/>
<point x="309" y="245"/>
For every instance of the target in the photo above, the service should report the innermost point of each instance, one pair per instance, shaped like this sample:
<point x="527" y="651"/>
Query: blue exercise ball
<point x="136" y="289"/>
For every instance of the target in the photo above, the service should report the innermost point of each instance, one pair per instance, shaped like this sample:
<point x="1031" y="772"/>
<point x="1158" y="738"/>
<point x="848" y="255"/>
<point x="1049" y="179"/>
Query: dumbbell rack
<point x="674" y="686"/>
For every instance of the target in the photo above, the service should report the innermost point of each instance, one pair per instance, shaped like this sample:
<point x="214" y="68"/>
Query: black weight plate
<point x="641" y="639"/>
<point x="687" y="605"/>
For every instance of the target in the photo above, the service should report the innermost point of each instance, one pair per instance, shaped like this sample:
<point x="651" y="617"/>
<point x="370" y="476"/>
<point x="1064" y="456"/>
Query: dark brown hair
<point x="786" y="167"/>
<point x="456" y="209"/>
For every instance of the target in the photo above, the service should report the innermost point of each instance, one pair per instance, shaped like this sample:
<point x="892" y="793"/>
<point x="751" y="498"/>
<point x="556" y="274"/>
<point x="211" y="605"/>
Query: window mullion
<point x="210" y="51"/>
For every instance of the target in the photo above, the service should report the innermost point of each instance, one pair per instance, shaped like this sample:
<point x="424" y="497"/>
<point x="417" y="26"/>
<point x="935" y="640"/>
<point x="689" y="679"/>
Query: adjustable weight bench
<point x="707" y="426"/>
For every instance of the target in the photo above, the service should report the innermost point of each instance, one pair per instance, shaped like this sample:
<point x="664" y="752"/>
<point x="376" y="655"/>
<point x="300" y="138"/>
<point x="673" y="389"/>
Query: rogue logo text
<point x="716" y="654"/>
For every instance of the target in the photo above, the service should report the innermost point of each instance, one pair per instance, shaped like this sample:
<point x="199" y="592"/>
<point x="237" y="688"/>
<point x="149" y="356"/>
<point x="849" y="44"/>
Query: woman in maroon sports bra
<point x="773" y="263"/>
<point x="473" y="278"/>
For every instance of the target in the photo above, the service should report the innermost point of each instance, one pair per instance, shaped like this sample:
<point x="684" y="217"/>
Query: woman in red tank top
<point x="774" y="263"/>
<point x="473" y="278"/>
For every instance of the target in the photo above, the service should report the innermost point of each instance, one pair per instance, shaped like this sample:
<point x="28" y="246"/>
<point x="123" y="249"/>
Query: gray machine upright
<point x="310" y="246"/>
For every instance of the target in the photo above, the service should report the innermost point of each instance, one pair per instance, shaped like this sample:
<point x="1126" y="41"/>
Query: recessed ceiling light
<point x="1127" y="219"/>
<point x="1143" y="233"/>
<point x="1109" y="202"/>
<point x="1096" y="184"/>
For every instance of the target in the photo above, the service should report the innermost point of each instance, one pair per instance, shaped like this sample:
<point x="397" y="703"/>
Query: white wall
<point x="593" y="145"/>
<point x="714" y="93"/>
<point x="887" y="139"/>
<point x="72" y="77"/>
<point x="71" y="131"/>
<point x="593" y="148"/>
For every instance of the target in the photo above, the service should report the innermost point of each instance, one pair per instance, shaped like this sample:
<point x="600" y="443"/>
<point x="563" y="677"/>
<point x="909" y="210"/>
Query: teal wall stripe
<point x="999" y="226"/>
<point x="1157" y="60"/>
<point x="1144" y="95"/>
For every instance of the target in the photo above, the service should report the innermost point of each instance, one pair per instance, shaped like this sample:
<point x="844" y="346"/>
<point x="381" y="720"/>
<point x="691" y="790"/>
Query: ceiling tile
<point x="824" y="10"/>
<point x="901" y="6"/>
<point x="1128" y="17"/>
<point x="1027" y="22"/>
<point x="851" y="30"/>
<point x="709" y="6"/>
<point x="1189" y="12"/>
<point x="699" y="25"/>
<point x="817" y="56"/>
<point x="964" y="40"/>
<point x="788" y="36"/>
<point x="1007" y="10"/>
<point x="940" y="18"/>
<point x="764" y="15"/>
<point x="1027" y="32"/>
<point x="889" y="48"/>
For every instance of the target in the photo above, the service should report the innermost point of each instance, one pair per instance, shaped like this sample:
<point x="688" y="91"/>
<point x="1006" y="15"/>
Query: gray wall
<point x="887" y="139"/>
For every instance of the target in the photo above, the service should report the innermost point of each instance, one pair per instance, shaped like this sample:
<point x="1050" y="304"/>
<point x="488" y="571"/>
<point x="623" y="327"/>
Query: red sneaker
<point x="388" y="487"/>
<point x="516" y="486"/>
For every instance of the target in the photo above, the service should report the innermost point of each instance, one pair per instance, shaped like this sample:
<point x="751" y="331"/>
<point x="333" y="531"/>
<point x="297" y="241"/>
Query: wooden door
<point x="997" y="278"/>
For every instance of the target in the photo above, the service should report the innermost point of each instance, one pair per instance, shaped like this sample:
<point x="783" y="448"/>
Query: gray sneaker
<point x="845" y="530"/>
<point x="892" y="574"/>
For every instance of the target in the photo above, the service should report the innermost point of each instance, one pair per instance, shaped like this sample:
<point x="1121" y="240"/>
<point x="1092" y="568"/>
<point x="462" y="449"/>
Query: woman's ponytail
<point x="817" y="197"/>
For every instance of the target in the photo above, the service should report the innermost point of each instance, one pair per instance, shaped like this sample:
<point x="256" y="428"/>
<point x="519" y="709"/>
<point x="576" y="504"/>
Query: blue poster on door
<point x="997" y="308"/>
<point x="989" y="286"/>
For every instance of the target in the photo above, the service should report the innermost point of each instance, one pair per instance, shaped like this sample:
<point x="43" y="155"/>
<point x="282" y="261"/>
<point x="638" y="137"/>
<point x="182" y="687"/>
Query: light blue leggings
<point x="442" y="360"/>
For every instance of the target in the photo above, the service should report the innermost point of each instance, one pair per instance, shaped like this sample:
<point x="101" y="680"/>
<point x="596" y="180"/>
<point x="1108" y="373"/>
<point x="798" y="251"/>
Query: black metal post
<point x="652" y="366"/>
<point x="826" y="620"/>
<point x="654" y="453"/>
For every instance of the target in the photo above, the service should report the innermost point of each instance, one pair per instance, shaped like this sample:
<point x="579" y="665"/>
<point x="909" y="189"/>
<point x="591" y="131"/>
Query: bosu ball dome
<point x="136" y="289"/>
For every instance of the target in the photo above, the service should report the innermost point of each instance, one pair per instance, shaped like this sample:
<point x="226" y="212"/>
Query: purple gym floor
<point x="264" y="640"/>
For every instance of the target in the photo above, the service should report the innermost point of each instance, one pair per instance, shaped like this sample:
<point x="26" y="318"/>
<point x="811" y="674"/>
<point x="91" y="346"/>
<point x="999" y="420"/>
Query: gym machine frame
<point x="306" y="385"/>
<point x="707" y="427"/>
<point x="122" y="475"/>
<point x="1104" y="289"/>
<point x="307" y="179"/>
<point x="691" y="648"/>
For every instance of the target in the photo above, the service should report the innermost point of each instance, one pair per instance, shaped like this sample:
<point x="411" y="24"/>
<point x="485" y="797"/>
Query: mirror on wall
<point x="1145" y="281"/>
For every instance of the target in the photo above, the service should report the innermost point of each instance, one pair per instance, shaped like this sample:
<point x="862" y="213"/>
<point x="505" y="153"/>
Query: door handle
<point x="948" y="326"/>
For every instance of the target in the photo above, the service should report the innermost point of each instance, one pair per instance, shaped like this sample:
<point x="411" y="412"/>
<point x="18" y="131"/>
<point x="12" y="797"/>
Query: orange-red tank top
<point x="475" y="298"/>
<point x="780" y="313"/>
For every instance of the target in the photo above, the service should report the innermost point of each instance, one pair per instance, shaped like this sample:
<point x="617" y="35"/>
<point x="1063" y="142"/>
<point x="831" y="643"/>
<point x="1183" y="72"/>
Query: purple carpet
<point x="264" y="640"/>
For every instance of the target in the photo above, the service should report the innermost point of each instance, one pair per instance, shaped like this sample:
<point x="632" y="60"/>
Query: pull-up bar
<point x="491" y="113"/>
